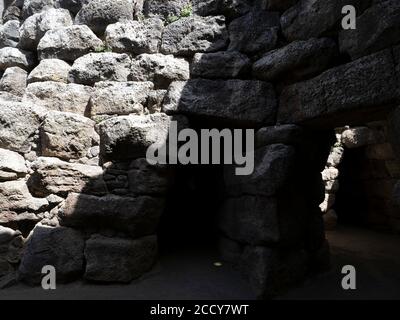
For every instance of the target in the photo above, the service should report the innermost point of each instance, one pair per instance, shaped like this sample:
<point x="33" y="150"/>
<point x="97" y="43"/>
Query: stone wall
<point x="88" y="85"/>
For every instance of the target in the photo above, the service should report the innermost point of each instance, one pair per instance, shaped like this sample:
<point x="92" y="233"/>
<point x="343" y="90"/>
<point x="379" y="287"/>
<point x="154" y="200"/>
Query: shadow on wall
<point x="268" y="224"/>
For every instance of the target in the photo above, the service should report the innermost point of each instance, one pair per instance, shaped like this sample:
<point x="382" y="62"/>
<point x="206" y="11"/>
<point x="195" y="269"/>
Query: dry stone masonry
<point x="88" y="85"/>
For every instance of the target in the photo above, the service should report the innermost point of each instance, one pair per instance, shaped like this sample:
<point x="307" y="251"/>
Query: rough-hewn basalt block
<point x="136" y="217"/>
<point x="59" y="247"/>
<point x="349" y="91"/>
<point x="238" y="102"/>
<point x="377" y="28"/>
<point x="273" y="166"/>
<point x="119" y="259"/>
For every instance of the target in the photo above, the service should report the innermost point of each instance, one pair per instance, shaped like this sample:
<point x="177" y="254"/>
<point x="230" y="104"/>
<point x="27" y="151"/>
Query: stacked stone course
<point x="88" y="85"/>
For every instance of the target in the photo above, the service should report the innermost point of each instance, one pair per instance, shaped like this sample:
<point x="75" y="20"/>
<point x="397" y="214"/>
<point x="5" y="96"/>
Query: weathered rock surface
<point x="298" y="60"/>
<point x="269" y="271"/>
<point x="31" y="7"/>
<point x="359" y="87"/>
<point x="68" y="43"/>
<point x="72" y="5"/>
<point x="66" y="135"/>
<point x="98" y="14"/>
<point x="377" y="28"/>
<point x="219" y="65"/>
<point x="50" y="70"/>
<point x="120" y="98"/>
<point x="14" y="81"/>
<point x="312" y="18"/>
<point x="117" y="259"/>
<point x="273" y="166"/>
<point x="230" y="9"/>
<point x="194" y="34"/>
<point x="155" y="100"/>
<point x="54" y="176"/>
<point x="59" y="247"/>
<point x="136" y="37"/>
<point x="234" y="101"/>
<point x="134" y="216"/>
<point x="18" y="124"/>
<point x="9" y="34"/>
<point x="95" y="67"/>
<point x="13" y="164"/>
<point x="164" y="9"/>
<point x="145" y="179"/>
<point x="275" y="5"/>
<point x="286" y="134"/>
<point x="59" y="96"/>
<point x="360" y="137"/>
<point x="129" y="136"/>
<point x="36" y="26"/>
<point x="160" y="69"/>
<point x="13" y="57"/>
<point x="264" y="35"/>
<point x="15" y="196"/>
<point x="250" y="219"/>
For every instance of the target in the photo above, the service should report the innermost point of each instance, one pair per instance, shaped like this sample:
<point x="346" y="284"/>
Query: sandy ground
<point x="192" y="275"/>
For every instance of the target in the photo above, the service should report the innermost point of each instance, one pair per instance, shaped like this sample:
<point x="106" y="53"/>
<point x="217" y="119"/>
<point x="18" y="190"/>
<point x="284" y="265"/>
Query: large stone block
<point x="13" y="57"/>
<point x="232" y="101"/>
<point x="59" y="96"/>
<point x="194" y="34"/>
<point x="12" y="165"/>
<point x="119" y="98"/>
<point x="98" y="14"/>
<point x="117" y="259"/>
<point x="31" y="7"/>
<point x="350" y="91"/>
<point x="273" y="167"/>
<point x="59" y="247"/>
<point x="377" y="28"/>
<point x="136" y="217"/>
<point x="250" y="219"/>
<point x="136" y="37"/>
<point x="128" y="137"/>
<point x="14" y="81"/>
<point x="298" y="60"/>
<point x="35" y="27"/>
<point x="219" y="65"/>
<point x="312" y="18"/>
<point x="95" y="67"/>
<point x="263" y="37"/>
<point x="230" y="9"/>
<point x="54" y="176"/>
<point x="66" y="135"/>
<point x="9" y="34"/>
<point x="160" y="69"/>
<point x="68" y="43"/>
<point x="18" y="124"/>
<point x="50" y="70"/>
